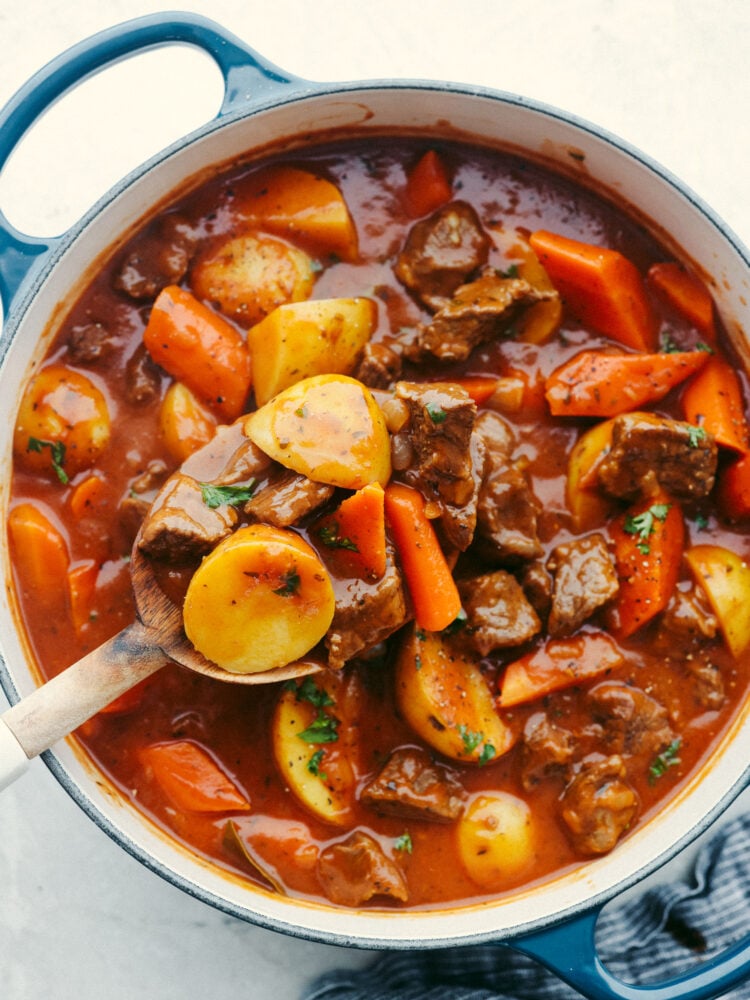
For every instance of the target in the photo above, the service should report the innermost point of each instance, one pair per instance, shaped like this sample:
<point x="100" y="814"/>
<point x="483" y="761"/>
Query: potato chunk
<point x="496" y="840"/>
<point x="302" y="339"/>
<point x="329" y="428"/>
<point x="185" y="423"/>
<point x="63" y="423"/>
<point x="725" y="578"/>
<point x="259" y="600"/>
<point x="445" y="699"/>
<point x="315" y="746"/>
<point x="249" y="276"/>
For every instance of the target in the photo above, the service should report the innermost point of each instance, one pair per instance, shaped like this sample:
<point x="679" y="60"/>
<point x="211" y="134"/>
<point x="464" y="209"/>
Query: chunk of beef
<point x="585" y="578"/>
<point x="160" y="257"/>
<point x="537" y="585"/>
<point x="131" y="513"/>
<point x="496" y="433"/>
<point x="367" y="612"/>
<point x="441" y="252"/>
<point x="287" y="499"/>
<point x="180" y="526"/>
<point x="548" y="749"/>
<point x="357" y="869"/>
<point x="89" y="343"/>
<point x="152" y="477"/>
<point x="648" y="450"/>
<point x="142" y="378"/>
<point x="229" y="458"/>
<point x="477" y="313"/>
<point x="412" y="786"/>
<point x="507" y="512"/>
<point x="685" y="624"/>
<point x="498" y="614"/>
<point x="445" y="460"/>
<point x="708" y="682"/>
<point x="598" y="805"/>
<point x="632" y="721"/>
<point x="379" y="366"/>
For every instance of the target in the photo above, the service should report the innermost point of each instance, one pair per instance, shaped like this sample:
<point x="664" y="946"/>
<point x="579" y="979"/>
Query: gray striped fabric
<point x="648" y="939"/>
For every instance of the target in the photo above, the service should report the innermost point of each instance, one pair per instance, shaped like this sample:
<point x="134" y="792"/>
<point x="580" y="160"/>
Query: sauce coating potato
<point x="63" y="423"/>
<point x="496" y="839"/>
<point x="327" y="427"/>
<point x="259" y="600"/>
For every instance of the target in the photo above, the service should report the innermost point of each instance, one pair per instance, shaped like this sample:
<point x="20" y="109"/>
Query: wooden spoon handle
<point x="58" y="707"/>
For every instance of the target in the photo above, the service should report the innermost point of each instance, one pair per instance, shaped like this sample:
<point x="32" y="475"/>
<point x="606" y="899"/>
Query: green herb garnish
<point x="322" y="730"/>
<point x="510" y="272"/>
<point x="216" y="496"/>
<point x="290" y="582"/>
<point x="663" y="761"/>
<point x="313" y="765"/>
<point x="642" y="525"/>
<point x="436" y="413"/>
<point x="309" y="691"/>
<point x="487" y="754"/>
<point x="695" y="435"/>
<point x="457" y="624"/>
<point x="329" y="535"/>
<point x="57" y="453"/>
<point x="404" y="843"/>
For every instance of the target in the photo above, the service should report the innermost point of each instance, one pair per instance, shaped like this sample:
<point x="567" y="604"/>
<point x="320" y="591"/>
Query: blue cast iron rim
<point x="297" y="91"/>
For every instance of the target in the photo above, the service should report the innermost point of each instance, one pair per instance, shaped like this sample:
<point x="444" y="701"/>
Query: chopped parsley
<point x="642" y="525"/>
<point x="700" y="346"/>
<point x="695" y="435"/>
<point x="701" y="521"/>
<point x="663" y="761"/>
<point x="309" y="691"/>
<point x="668" y="346"/>
<point x="436" y="413"/>
<point x="329" y="535"/>
<point x="215" y="496"/>
<point x="313" y="765"/>
<point x="511" y="271"/>
<point x="457" y="624"/>
<point x="472" y="742"/>
<point x="290" y="582"/>
<point x="404" y="843"/>
<point x="323" y="729"/>
<point x="57" y="453"/>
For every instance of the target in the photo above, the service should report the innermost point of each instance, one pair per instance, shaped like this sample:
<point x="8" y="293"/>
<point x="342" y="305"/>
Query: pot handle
<point x="569" y="950"/>
<point x="248" y="78"/>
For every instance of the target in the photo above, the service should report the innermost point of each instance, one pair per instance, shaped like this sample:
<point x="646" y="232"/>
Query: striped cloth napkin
<point x="650" y="938"/>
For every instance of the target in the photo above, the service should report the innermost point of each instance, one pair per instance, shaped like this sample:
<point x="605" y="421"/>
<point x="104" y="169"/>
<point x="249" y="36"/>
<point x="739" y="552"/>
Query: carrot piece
<point x="686" y="294"/>
<point x="713" y="401"/>
<point x="557" y="664"/>
<point x="427" y="185"/>
<point x="600" y="287"/>
<point x="648" y="545"/>
<point x="86" y="495"/>
<point x="81" y="579"/>
<point x="199" y="348"/>
<point x="598" y="384"/>
<point x="191" y="778"/>
<point x="356" y="532"/>
<point x="40" y="555"/>
<point x="733" y="489"/>
<point x="479" y="387"/>
<point x="428" y="576"/>
<point x="301" y="205"/>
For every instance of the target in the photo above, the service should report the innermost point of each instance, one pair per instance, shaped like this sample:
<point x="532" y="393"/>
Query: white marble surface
<point x="78" y="918"/>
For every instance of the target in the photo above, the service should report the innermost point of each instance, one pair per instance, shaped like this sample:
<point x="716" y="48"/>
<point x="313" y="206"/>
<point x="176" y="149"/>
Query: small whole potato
<point x="261" y="599"/>
<point x="496" y="839"/>
<point x="248" y="276"/>
<point x="63" y="423"/>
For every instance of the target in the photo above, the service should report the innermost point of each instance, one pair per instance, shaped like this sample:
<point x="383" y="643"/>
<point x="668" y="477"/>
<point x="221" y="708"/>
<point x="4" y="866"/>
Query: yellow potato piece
<point x="444" y="697"/>
<point x="725" y="578"/>
<point x="496" y="839"/>
<point x="63" y="422"/>
<point x="315" y="744"/>
<point x="259" y="600"/>
<point x="185" y="423"/>
<point x="589" y="508"/>
<point x="248" y="276"/>
<point x="308" y="338"/>
<point x="327" y="427"/>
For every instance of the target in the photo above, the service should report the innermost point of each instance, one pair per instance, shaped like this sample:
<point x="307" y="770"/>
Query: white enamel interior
<point x="493" y="119"/>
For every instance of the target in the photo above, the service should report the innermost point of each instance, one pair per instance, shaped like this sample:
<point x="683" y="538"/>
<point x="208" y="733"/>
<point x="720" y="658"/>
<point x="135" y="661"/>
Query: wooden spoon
<point x="58" y="707"/>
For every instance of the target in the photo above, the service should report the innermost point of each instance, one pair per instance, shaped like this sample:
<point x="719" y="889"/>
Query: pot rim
<point x="38" y="274"/>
